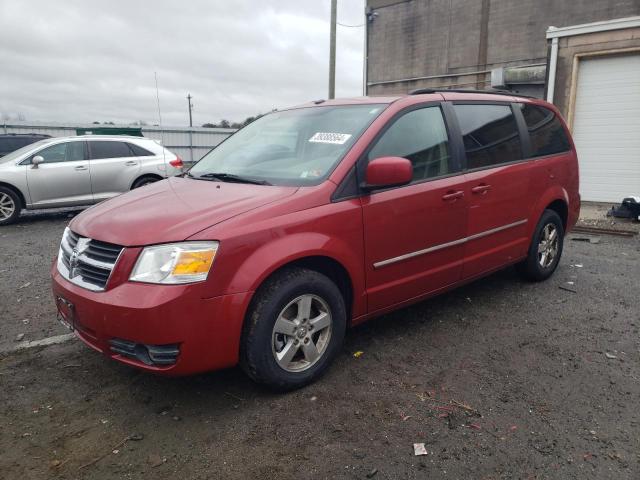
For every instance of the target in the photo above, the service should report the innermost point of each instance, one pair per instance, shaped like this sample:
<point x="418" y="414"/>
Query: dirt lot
<point x="500" y="379"/>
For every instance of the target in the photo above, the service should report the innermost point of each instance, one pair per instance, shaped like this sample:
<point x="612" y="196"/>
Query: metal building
<point x="189" y="143"/>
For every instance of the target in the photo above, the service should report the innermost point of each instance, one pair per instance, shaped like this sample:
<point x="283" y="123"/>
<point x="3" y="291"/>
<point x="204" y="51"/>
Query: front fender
<point x="270" y="257"/>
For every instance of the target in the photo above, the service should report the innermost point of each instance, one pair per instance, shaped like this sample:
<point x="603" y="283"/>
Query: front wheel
<point x="545" y="249"/>
<point x="10" y="206"/>
<point x="294" y="329"/>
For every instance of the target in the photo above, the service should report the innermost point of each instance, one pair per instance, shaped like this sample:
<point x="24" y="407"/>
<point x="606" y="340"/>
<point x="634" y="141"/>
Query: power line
<point x="350" y="26"/>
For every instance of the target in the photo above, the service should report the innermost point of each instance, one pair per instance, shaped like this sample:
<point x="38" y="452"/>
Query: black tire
<point x="142" y="181"/>
<point x="9" y="198"/>
<point x="532" y="267"/>
<point x="258" y="345"/>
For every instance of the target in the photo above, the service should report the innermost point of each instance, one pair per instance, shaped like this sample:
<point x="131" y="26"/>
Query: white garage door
<point x="606" y="127"/>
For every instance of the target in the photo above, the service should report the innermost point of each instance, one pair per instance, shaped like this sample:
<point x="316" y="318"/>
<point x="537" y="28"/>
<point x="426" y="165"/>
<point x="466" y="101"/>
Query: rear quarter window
<point x="545" y="131"/>
<point x="138" y="151"/>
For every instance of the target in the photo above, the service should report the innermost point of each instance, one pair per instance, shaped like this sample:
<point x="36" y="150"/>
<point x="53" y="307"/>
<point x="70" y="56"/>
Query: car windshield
<point x="294" y="147"/>
<point x="27" y="148"/>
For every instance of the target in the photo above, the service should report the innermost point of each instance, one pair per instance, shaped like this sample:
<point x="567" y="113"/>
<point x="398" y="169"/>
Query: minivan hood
<point x="171" y="210"/>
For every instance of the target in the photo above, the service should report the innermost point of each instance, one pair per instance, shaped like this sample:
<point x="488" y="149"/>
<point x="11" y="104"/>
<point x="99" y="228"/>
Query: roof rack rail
<point x="421" y="91"/>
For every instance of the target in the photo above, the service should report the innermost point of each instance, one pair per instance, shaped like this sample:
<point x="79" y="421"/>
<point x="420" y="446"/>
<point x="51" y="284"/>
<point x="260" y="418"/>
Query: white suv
<point x="69" y="171"/>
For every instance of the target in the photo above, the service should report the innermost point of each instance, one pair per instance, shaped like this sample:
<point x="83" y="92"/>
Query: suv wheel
<point x="142" y="181"/>
<point x="10" y="206"/>
<point x="545" y="250"/>
<point x="294" y="329"/>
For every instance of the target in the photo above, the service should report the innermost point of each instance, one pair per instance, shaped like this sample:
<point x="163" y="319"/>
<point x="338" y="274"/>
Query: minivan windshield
<point x="295" y="147"/>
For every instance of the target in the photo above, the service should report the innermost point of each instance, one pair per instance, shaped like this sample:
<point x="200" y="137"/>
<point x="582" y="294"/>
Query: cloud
<point x="89" y="60"/>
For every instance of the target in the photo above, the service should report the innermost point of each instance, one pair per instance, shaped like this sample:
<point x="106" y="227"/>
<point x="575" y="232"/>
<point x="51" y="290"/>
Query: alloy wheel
<point x="7" y="206"/>
<point x="548" y="245"/>
<point x="301" y="333"/>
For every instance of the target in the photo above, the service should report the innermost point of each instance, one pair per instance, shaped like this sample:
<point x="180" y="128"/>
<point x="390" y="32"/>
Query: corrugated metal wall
<point x="190" y="144"/>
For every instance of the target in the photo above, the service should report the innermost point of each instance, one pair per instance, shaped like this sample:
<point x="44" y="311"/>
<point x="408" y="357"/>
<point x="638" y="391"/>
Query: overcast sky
<point x="88" y="60"/>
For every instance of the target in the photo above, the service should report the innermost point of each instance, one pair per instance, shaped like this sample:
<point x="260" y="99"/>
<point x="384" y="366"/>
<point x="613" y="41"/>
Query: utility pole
<point x="189" y="97"/>
<point x="332" y="50"/>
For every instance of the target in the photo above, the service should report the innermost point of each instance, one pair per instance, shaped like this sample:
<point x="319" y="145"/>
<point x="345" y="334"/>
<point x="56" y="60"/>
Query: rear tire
<point x="10" y="206"/>
<point x="294" y="329"/>
<point x="545" y="249"/>
<point x="142" y="181"/>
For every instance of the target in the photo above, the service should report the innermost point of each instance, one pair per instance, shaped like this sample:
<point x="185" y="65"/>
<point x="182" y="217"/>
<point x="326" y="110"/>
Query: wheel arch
<point x="146" y="175"/>
<point x="17" y="191"/>
<point x="556" y="199"/>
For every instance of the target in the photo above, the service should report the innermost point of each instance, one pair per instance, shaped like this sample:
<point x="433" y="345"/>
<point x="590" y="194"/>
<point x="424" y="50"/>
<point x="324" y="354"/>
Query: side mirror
<point x="37" y="160"/>
<point x="388" y="172"/>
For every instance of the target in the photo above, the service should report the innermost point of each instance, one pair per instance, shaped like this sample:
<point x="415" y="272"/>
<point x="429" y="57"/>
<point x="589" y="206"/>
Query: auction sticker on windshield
<point x="325" y="137"/>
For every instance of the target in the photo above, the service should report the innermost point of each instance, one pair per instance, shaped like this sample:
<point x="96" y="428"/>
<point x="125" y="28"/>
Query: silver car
<point x="70" y="171"/>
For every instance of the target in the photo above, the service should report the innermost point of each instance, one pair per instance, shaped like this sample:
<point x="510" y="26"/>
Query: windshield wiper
<point x="230" y="177"/>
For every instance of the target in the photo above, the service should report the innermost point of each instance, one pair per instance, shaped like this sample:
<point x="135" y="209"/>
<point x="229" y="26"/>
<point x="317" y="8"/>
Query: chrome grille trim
<point x="93" y="263"/>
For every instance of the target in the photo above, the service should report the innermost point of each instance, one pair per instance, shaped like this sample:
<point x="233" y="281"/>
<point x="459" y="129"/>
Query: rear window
<point x="490" y="134"/>
<point x="106" y="149"/>
<point x="545" y="131"/>
<point x="139" y="151"/>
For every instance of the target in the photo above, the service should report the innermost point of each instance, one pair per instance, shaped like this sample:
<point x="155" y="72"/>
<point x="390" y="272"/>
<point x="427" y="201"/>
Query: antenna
<point x="164" y="159"/>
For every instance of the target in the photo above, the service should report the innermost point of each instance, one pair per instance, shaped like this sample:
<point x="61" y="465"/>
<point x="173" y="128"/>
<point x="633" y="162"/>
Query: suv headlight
<point x="174" y="263"/>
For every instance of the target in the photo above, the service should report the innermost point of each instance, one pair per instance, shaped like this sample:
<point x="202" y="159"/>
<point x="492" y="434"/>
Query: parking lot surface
<point x="499" y="379"/>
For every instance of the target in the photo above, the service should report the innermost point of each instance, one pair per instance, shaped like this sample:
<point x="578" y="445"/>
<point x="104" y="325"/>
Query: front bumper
<point x="206" y="331"/>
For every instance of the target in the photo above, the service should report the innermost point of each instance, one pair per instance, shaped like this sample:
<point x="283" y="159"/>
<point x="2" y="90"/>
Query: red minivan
<point x="313" y="219"/>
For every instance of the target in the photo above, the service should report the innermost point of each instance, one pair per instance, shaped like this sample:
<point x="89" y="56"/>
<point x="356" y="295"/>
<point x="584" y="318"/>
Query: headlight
<point x="172" y="263"/>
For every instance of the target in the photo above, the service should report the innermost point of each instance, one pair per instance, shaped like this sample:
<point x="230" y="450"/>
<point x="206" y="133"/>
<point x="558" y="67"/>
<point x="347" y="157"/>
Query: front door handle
<point x="131" y="163"/>
<point x="452" y="196"/>
<point x="81" y="167"/>
<point x="481" y="189"/>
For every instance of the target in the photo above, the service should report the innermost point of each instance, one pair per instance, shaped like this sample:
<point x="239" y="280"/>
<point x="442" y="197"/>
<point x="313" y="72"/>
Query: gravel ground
<point x="499" y="379"/>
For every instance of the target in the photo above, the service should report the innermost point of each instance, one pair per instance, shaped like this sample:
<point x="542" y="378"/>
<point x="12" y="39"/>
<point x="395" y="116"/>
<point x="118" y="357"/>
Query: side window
<point x="490" y="134"/>
<point x="545" y="131"/>
<point x="139" y="151"/>
<point x="54" y="153"/>
<point x="108" y="149"/>
<point x="75" y="151"/>
<point x="421" y="137"/>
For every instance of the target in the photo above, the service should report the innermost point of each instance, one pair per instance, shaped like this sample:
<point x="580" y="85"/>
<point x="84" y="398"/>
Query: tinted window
<point x="545" y="130"/>
<point x="490" y="134"/>
<point x="108" y="149"/>
<point x="75" y="151"/>
<point x="139" y="151"/>
<point x="419" y="136"/>
<point x="54" y="153"/>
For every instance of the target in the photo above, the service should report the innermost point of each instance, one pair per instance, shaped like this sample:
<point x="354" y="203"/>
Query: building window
<point x="545" y="131"/>
<point x="490" y="134"/>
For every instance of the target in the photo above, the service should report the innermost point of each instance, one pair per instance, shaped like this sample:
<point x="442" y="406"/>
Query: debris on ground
<point x="358" y="354"/>
<point x="592" y="240"/>
<point x="610" y="356"/>
<point x="418" y="449"/>
<point x="562" y="287"/>
<point x="155" y="460"/>
<point x="19" y="337"/>
<point x="25" y="285"/>
<point x="372" y="473"/>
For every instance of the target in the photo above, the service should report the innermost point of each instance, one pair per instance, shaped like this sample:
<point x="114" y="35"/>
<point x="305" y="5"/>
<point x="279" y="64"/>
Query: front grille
<point x="87" y="262"/>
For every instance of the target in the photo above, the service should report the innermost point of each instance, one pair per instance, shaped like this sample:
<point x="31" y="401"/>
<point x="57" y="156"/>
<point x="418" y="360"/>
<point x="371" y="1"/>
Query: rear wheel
<point x="10" y="206"/>
<point x="545" y="250"/>
<point x="294" y="329"/>
<point x="142" y="181"/>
